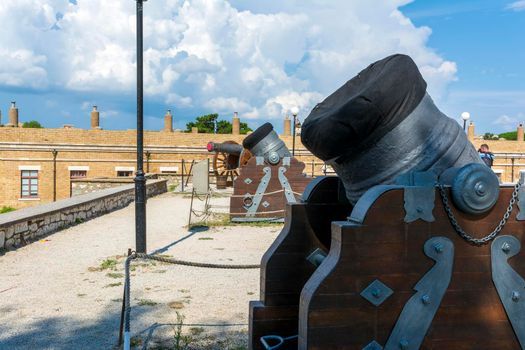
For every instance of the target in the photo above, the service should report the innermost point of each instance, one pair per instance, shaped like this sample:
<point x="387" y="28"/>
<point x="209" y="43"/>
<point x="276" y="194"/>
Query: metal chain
<point x="127" y="281"/>
<point x="466" y="236"/>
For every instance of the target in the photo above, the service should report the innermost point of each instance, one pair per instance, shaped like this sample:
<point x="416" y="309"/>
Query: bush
<point x="490" y="136"/>
<point x="32" y="124"/>
<point x="513" y="135"/>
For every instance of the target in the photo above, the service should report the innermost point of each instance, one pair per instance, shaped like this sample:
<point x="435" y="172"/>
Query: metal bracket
<point x="419" y="311"/>
<point x="288" y="193"/>
<point x="509" y="284"/>
<point x="259" y="160"/>
<point x="286" y="161"/>
<point x="316" y="257"/>
<point x="261" y="189"/>
<point x="521" y="199"/>
<point x="373" y="345"/>
<point x="419" y="203"/>
<point x="376" y="292"/>
<point x="248" y="181"/>
<point x="419" y="194"/>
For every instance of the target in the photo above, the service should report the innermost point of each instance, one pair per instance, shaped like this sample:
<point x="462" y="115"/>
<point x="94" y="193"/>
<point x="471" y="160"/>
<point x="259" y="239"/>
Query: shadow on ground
<point x="63" y="333"/>
<point x="192" y="231"/>
<point x="210" y="335"/>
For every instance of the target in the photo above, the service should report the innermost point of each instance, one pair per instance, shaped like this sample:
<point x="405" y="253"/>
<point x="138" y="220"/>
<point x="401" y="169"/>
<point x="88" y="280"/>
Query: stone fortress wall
<point x="103" y="153"/>
<point x="21" y="227"/>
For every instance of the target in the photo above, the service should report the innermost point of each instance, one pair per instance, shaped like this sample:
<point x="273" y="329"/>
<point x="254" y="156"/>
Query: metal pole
<point x="121" y="328"/>
<point x="148" y="157"/>
<point x="189" y="173"/>
<point x="464" y="125"/>
<point x="182" y="182"/>
<point x="55" y="152"/>
<point x="293" y="141"/>
<point x="140" y="180"/>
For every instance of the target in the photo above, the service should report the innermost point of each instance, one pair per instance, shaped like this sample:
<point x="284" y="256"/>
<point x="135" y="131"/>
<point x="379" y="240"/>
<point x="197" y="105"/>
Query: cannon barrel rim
<point x="230" y="147"/>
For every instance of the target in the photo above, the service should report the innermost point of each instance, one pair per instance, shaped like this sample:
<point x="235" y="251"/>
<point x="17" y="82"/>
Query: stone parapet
<point x="23" y="226"/>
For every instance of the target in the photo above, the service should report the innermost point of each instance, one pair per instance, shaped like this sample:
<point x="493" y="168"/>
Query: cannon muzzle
<point x="264" y="142"/>
<point x="230" y="148"/>
<point x="381" y="124"/>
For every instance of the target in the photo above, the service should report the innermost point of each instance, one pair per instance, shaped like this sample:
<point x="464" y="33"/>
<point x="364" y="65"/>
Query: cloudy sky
<point x="260" y="58"/>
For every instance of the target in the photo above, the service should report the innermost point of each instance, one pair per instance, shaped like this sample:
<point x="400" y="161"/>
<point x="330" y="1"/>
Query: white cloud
<point x="506" y="123"/>
<point x="207" y="53"/>
<point x="22" y="68"/>
<point x="516" y="5"/>
<point x="180" y="101"/>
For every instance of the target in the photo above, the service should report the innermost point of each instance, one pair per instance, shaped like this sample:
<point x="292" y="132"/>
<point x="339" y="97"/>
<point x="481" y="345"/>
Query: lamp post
<point x="140" y="179"/>
<point x="295" y="111"/>
<point x="465" y="116"/>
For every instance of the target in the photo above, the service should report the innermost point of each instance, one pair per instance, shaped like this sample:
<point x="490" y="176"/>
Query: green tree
<point x="245" y="128"/>
<point x="32" y="124"/>
<point x="512" y="135"/>
<point x="490" y="136"/>
<point x="206" y="124"/>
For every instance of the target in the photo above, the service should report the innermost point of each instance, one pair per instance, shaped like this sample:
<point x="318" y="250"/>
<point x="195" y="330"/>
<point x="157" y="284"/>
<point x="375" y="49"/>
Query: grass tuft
<point x="146" y="302"/>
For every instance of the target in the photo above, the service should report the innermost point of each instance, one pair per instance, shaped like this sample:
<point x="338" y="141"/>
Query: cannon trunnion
<point x="397" y="275"/>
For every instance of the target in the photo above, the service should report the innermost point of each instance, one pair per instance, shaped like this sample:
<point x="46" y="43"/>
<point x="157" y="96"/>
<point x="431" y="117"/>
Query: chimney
<point x="470" y="132"/>
<point x="13" y="115"/>
<point x="236" y="124"/>
<point x="287" y="130"/>
<point x="168" y="121"/>
<point x="95" y="119"/>
<point x="520" y="132"/>
<point x="194" y="130"/>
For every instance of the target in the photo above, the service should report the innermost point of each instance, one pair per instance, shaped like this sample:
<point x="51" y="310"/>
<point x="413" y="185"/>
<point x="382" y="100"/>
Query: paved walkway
<point x="65" y="292"/>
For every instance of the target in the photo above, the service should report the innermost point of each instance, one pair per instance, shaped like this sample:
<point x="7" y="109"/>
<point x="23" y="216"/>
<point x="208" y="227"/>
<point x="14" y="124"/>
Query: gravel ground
<point x="65" y="291"/>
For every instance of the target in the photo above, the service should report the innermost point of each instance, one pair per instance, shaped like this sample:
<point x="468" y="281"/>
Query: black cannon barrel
<point x="264" y="141"/>
<point x="230" y="148"/>
<point x="381" y="124"/>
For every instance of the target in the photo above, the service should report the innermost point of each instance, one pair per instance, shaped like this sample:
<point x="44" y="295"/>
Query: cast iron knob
<point x="475" y="189"/>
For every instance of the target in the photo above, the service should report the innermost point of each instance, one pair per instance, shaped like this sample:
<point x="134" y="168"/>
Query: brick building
<point x="38" y="165"/>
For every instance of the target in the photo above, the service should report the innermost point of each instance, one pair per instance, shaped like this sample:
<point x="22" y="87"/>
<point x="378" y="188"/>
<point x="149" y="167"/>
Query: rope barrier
<point x="245" y="213"/>
<point x="127" y="281"/>
<point x="244" y="195"/>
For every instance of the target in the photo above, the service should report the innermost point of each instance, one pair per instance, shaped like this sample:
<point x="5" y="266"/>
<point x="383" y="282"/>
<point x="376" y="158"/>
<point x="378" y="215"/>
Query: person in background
<point x="486" y="156"/>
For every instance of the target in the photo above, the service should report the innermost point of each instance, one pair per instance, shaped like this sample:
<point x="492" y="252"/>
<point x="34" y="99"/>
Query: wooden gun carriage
<point x="268" y="175"/>
<point x="415" y="245"/>
<point x="396" y="275"/>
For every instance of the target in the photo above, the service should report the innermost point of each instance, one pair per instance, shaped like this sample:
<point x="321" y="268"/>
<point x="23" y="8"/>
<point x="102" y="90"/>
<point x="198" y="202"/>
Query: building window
<point x="124" y="173"/>
<point x="29" y="183"/>
<point x="169" y="169"/>
<point x="77" y="174"/>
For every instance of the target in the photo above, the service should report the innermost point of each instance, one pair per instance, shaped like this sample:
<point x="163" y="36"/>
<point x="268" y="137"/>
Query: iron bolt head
<point x="438" y="247"/>
<point x="376" y="293"/>
<point x="480" y="189"/>
<point x="403" y="344"/>
<point x="505" y="247"/>
<point x="273" y="158"/>
<point x="425" y="299"/>
<point x="515" y="295"/>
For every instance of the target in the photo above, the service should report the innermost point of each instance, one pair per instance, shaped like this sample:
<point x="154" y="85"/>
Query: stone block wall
<point x="23" y="226"/>
<point x="83" y="186"/>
